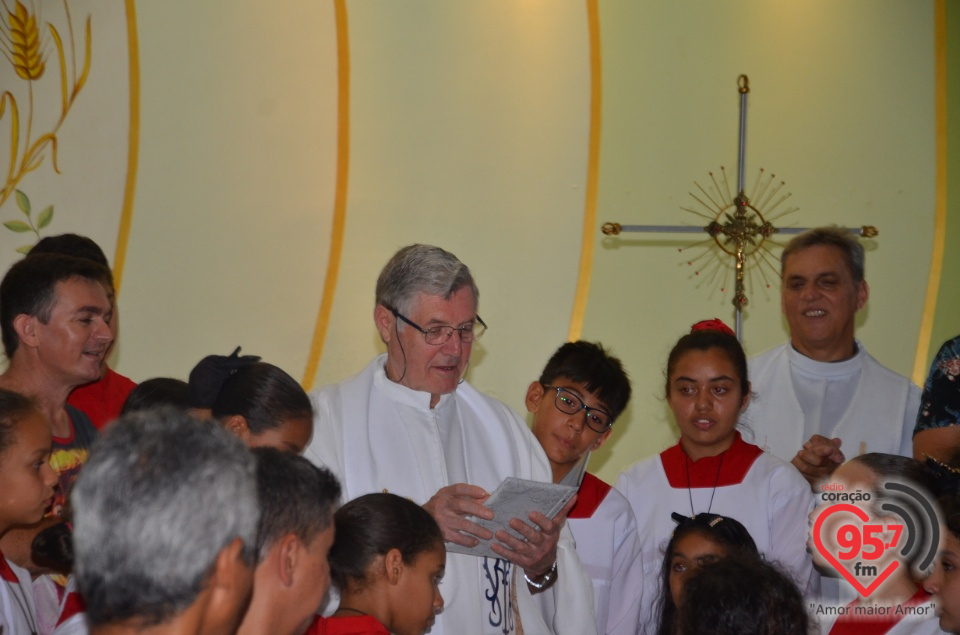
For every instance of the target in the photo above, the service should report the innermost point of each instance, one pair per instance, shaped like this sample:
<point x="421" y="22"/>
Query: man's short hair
<point x="593" y="366"/>
<point x="296" y="497"/>
<point x="832" y="236"/>
<point x="71" y="245"/>
<point x="421" y="269"/>
<point x="30" y="288"/>
<point x="160" y="497"/>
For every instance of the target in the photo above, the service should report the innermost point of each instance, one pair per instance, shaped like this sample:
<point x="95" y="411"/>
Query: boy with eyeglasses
<point x="580" y="393"/>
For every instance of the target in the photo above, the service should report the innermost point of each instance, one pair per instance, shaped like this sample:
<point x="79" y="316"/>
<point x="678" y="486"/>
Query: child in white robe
<point x="712" y="470"/>
<point x="26" y="480"/>
<point x="581" y="392"/>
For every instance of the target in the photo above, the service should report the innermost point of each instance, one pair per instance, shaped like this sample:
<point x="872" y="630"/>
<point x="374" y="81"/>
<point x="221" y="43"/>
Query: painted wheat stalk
<point x="22" y="44"/>
<point x="25" y="49"/>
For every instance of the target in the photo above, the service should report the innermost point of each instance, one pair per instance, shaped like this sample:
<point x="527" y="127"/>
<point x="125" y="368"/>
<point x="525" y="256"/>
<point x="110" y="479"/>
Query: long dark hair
<point x="372" y="525"/>
<point x="722" y="530"/>
<point x="263" y="394"/>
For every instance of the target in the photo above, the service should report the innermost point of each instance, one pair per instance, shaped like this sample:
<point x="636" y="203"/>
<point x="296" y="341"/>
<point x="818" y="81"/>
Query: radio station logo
<point x="866" y="536"/>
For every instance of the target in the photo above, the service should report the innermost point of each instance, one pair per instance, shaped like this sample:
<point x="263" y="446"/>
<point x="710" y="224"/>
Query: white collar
<point x="399" y="393"/>
<point x="842" y="368"/>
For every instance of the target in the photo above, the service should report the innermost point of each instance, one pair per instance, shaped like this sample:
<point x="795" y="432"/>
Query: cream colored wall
<point x="468" y="127"/>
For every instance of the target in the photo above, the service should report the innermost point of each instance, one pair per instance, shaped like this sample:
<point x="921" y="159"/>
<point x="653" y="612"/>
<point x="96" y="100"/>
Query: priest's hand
<point x="818" y="459"/>
<point x="536" y="554"/>
<point x="452" y="504"/>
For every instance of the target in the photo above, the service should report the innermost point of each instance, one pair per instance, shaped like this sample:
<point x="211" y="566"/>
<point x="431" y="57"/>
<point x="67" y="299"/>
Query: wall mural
<point x="28" y="43"/>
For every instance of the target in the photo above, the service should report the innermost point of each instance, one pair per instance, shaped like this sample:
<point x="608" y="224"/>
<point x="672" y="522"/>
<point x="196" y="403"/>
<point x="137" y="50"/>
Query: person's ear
<point x="601" y="439"/>
<point x="384" y="320"/>
<point x="746" y="398"/>
<point x="393" y="565"/>
<point x="288" y="558"/>
<point x="863" y="294"/>
<point x="237" y="425"/>
<point x="25" y="326"/>
<point x="535" y="393"/>
<point x="231" y="579"/>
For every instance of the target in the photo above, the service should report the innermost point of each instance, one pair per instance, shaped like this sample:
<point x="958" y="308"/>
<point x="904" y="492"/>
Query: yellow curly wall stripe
<point x="340" y="197"/>
<point x="593" y="177"/>
<point x="133" y="146"/>
<point x="940" y="223"/>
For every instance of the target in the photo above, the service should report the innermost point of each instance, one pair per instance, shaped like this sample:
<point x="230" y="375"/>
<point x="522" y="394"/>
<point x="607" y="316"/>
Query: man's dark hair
<point x="832" y="237"/>
<point x="593" y="366"/>
<point x="71" y="245"/>
<point x="30" y="288"/>
<point x="296" y="497"/>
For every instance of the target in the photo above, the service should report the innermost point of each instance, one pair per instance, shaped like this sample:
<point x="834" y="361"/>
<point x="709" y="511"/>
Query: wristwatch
<point x="545" y="581"/>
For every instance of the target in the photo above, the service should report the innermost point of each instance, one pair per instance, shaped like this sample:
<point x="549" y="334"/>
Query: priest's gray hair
<point x="831" y="236"/>
<point x="161" y="495"/>
<point x="421" y="269"/>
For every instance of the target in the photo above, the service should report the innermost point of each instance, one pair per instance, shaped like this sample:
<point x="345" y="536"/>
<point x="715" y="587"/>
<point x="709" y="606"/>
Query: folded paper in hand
<point x="518" y="498"/>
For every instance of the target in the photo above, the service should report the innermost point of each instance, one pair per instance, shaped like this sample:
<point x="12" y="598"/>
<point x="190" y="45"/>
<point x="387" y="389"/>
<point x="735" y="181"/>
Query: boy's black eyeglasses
<point x="439" y="335"/>
<point x="568" y="402"/>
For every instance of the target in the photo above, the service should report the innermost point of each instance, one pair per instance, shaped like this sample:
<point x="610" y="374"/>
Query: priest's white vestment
<point x="878" y="416"/>
<point x="376" y="435"/>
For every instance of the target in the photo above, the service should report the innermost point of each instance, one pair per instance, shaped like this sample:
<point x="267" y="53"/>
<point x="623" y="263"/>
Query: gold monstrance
<point x="738" y="225"/>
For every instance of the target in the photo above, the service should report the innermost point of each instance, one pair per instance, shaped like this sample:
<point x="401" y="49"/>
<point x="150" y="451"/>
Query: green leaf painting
<point x="17" y="226"/>
<point x="44" y="218"/>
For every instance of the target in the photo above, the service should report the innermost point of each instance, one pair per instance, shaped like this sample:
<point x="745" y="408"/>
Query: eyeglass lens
<point x="571" y="404"/>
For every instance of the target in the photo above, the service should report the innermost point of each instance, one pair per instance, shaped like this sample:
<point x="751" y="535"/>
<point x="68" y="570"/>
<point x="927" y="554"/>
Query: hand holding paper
<point x="510" y="512"/>
<point x="455" y="507"/>
<point x="537" y="552"/>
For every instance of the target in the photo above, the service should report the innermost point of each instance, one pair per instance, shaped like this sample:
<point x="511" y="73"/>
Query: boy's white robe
<point x="609" y="547"/>
<point x="377" y="435"/>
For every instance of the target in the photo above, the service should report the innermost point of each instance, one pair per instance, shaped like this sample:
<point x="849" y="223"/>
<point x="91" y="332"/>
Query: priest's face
<point x="411" y="361"/>
<point x="820" y="300"/>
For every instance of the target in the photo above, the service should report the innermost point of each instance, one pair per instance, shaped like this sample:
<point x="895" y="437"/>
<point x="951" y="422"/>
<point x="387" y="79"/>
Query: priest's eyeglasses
<point x="568" y="402"/>
<point x="439" y="335"/>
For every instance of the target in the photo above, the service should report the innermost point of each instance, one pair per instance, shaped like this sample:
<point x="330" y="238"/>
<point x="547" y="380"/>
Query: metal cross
<point x="742" y="232"/>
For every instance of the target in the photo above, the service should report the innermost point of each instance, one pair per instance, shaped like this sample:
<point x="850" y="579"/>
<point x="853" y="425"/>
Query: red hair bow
<point x="713" y="325"/>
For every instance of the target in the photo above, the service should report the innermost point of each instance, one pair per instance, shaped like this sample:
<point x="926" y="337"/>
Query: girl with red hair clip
<point x="711" y="470"/>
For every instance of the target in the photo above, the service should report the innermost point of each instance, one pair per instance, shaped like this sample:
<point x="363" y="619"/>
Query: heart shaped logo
<point x="830" y="557"/>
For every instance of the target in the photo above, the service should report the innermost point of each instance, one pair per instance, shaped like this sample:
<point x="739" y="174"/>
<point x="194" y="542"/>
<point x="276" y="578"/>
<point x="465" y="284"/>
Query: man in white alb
<point x="409" y="424"/>
<point x="822" y="397"/>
